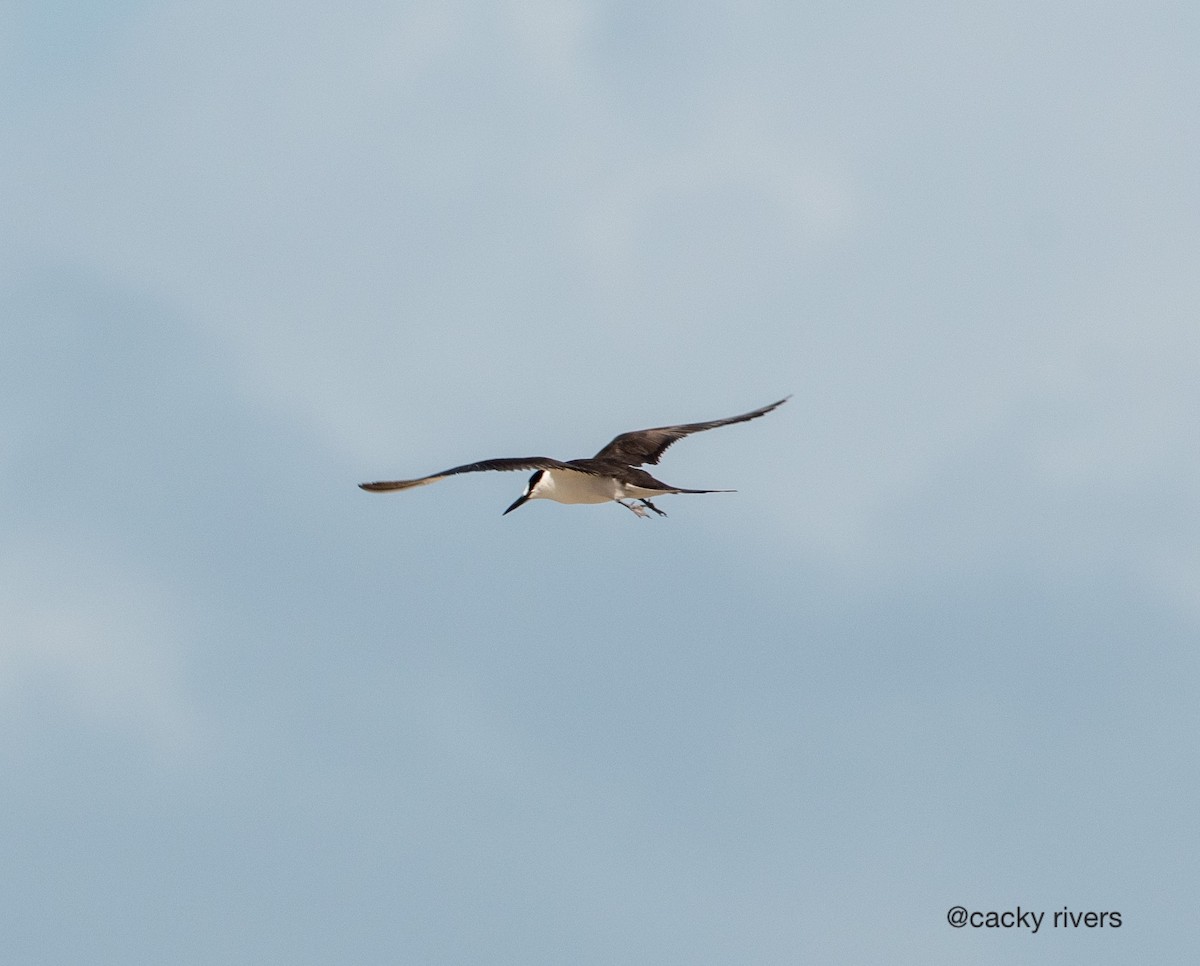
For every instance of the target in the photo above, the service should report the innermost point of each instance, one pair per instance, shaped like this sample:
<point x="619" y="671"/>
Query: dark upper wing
<point x="518" y="463"/>
<point x="647" y="445"/>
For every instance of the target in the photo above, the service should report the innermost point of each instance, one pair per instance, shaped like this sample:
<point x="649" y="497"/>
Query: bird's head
<point x="531" y="491"/>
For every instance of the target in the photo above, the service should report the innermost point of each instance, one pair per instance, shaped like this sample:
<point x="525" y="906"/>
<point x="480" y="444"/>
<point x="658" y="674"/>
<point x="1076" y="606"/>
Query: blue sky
<point x="939" y="649"/>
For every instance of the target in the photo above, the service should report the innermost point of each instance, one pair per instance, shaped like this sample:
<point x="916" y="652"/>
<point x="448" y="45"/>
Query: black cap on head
<point x="524" y="497"/>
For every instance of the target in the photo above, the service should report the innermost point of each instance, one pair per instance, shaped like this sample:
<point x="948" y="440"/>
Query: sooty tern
<point x="612" y="474"/>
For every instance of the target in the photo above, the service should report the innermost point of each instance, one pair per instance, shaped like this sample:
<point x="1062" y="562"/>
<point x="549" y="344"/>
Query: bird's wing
<point x="517" y="463"/>
<point x="647" y="445"/>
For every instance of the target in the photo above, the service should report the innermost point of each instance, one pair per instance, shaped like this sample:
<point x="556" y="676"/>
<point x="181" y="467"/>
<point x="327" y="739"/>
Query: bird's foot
<point x="634" y="507"/>
<point x="647" y="503"/>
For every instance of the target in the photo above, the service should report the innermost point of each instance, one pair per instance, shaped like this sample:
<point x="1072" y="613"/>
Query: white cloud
<point x="88" y="642"/>
<point x="418" y="214"/>
<point x="359" y="207"/>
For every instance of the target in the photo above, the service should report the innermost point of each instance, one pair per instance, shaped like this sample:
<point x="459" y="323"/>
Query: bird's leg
<point x="630" y="506"/>
<point x="647" y="503"/>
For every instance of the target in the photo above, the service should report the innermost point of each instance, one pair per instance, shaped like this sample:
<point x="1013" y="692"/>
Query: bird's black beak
<point x="524" y="497"/>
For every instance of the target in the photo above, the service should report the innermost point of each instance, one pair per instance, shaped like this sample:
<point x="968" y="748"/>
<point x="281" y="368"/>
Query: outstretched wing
<point x="504" y="465"/>
<point x="647" y="445"/>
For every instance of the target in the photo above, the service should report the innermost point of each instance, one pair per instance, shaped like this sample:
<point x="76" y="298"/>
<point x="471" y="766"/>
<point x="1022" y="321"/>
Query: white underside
<point x="566" y="486"/>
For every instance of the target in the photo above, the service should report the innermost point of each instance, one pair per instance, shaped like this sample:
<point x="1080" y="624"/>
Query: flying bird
<point x="612" y="474"/>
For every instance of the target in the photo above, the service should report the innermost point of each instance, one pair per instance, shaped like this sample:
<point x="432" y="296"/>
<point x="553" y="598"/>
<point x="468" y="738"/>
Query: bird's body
<point x="610" y="475"/>
<point x="568" y="485"/>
